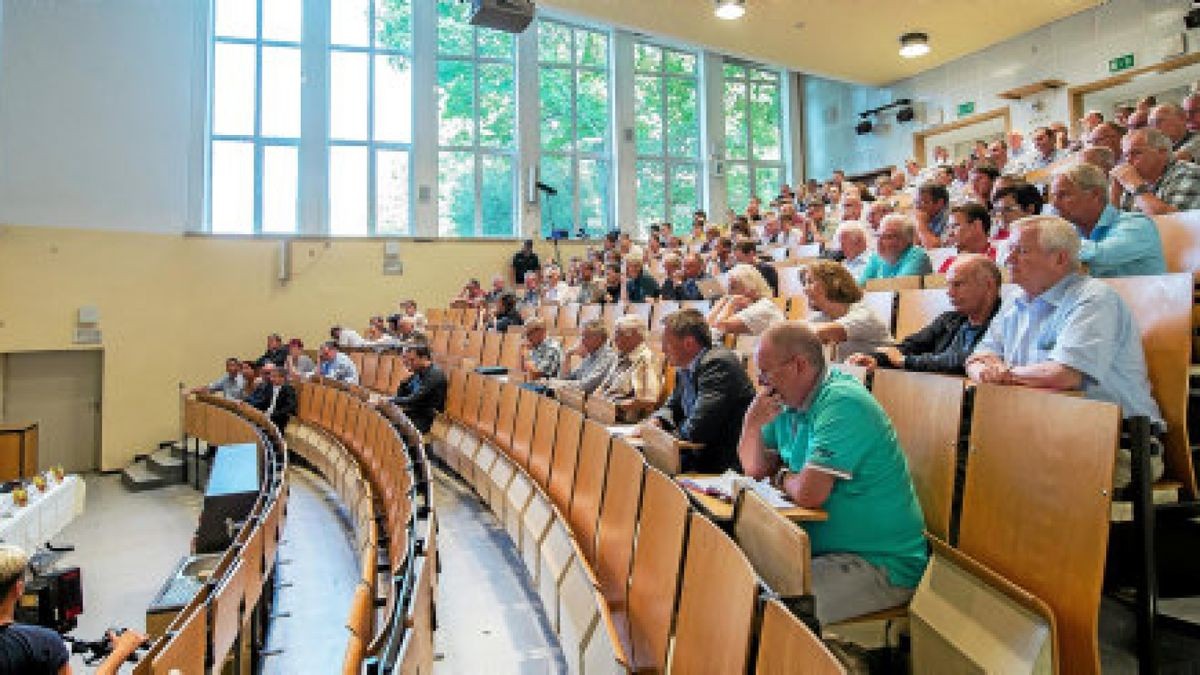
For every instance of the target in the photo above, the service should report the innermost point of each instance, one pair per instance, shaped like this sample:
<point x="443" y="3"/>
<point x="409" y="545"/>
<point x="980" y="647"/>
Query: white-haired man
<point x="897" y="254"/>
<point x="1172" y="120"/>
<point x="636" y="379"/>
<point x="853" y="247"/>
<point x="1116" y="244"/>
<point x="1154" y="182"/>
<point x="1066" y="331"/>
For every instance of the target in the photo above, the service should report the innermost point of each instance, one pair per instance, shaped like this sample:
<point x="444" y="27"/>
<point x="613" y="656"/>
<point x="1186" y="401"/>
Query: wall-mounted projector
<point x="510" y="16"/>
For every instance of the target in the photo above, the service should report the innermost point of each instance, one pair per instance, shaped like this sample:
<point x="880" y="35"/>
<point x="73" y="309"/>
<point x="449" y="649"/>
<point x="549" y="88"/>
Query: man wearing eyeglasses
<point x="1154" y="182"/>
<point x="828" y="444"/>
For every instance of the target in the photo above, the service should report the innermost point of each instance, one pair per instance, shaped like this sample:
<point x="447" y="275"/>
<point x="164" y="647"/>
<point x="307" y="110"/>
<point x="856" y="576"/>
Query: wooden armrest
<point x="688" y="445"/>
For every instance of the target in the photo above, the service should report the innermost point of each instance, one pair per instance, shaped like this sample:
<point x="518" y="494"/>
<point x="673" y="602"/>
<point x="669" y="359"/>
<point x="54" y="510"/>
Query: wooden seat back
<point x="566" y="456"/>
<point x="383" y="375"/>
<point x="185" y="649"/>
<point x="883" y="304"/>
<point x="1162" y="309"/>
<point x="777" y="548"/>
<point x="456" y="393"/>
<point x="226" y="607"/>
<point x="369" y="369"/>
<point x="510" y="351"/>
<point x="791" y="280"/>
<point x="787" y="645"/>
<point x="641" y="310"/>
<point x="1180" y="234"/>
<point x="492" y="341"/>
<point x="917" y="308"/>
<point x="542" y="449"/>
<point x="568" y="319"/>
<point x="589" y="486"/>
<point x="473" y="350"/>
<point x="590" y="313"/>
<point x="610" y="312"/>
<point x="472" y="397"/>
<point x="1057" y="464"/>
<point x="523" y="428"/>
<point x="926" y="411"/>
<point x="661" y="449"/>
<point x="893" y="284"/>
<point x="439" y="343"/>
<point x="506" y="415"/>
<point x="549" y="314"/>
<point x="489" y="407"/>
<point x="618" y="520"/>
<point x="657" y="568"/>
<point x="716" y="604"/>
<point x="399" y="374"/>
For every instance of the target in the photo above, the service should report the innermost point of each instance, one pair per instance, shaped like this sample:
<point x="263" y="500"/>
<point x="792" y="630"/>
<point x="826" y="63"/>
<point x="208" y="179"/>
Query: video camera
<point x="53" y="599"/>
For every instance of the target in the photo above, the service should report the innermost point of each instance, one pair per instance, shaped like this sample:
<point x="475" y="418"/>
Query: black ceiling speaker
<point x="864" y="126"/>
<point x="905" y="114"/>
<point x="510" y="16"/>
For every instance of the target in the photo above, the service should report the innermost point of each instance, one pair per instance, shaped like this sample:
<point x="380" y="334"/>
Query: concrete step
<point x="166" y="464"/>
<point x="137" y="478"/>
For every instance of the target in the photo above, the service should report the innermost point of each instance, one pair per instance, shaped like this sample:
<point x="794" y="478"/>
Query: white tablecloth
<point x="44" y="517"/>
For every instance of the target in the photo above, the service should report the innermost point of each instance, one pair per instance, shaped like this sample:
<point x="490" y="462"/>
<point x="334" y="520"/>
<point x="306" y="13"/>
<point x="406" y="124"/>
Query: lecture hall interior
<point x="599" y="336"/>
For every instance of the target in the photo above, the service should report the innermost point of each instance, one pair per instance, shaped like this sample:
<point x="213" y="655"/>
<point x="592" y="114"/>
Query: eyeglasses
<point x="764" y="374"/>
<point x="1001" y="210"/>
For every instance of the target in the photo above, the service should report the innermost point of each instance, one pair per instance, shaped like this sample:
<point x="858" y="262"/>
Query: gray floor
<point x="490" y="620"/>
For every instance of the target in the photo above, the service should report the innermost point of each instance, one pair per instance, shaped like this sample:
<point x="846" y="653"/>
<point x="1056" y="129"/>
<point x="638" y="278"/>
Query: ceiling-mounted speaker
<point x="863" y="127"/>
<point x="510" y="16"/>
<point x="905" y="114"/>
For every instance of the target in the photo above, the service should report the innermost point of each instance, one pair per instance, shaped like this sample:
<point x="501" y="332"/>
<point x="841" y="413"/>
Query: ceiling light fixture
<point x="730" y="9"/>
<point x="913" y="45"/>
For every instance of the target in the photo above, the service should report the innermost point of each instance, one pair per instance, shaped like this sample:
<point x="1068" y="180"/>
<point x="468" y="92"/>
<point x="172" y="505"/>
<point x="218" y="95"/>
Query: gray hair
<point x="1084" y="176"/>
<point x="908" y="226"/>
<point x="630" y="323"/>
<point x="1154" y="138"/>
<point x="1100" y="156"/>
<point x="1054" y="233"/>
<point x="796" y="338"/>
<point x="750" y="279"/>
<point x="851" y="227"/>
<point x="981" y="266"/>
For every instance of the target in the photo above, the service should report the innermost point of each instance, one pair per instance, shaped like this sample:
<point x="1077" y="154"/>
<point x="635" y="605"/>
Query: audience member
<point x="471" y="295"/>
<point x="1045" y="151"/>
<point x="335" y="365"/>
<point x="746" y="253"/>
<point x="639" y="285"/>
<point x="614" y="284"/>
<point x="525" y="261"/>
<point x="1153" y="181"/>
<point x="498" y="289"/>
<point x="983" y="179"/>
<point x="825" y="441"/>
<point x="1107" y="135"/>
<point x="299" y="365"/>
<point x="543" y="356"/>
<point x="672" y="284"/>
<point x="423" y="395"/>
<point x="598" y="359"/>
<point x="1172" y="120"/>
<point x="853" y="250"/>
<point x="837" y="313"/>
<point x="896" y="254"/>
<point x="1066" y="331"/>
<point x="409" y="309"/>
<point x="555" y="291"/>
<point x="973" y="284"/>
<point x="1191" y="107"/>
<point x="276" y="353"/>
<point x="278" y="399"/>
<point x="1010" y="204"/>
<point x="1098" y="156"/>
<point x="1116" y="244"/>
<point x="231" y="385"/>
<point x="506" y="314"/>
<point x="531" y="292"/>
<point x="711" y="390"/>
<point x="589" y="290"/>
<point x="969" y="227"/>
<point x="932" y="212"/>
<point x="635" y="377"/>
<point x="748" y="308"/>
<point x="346" y="338"/>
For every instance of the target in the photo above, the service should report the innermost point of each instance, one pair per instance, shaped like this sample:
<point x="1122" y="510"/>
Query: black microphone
<point x="545" y="188"/>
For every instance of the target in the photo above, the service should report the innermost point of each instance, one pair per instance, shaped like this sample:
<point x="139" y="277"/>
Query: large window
<point x="667" y="135"/>
<point x="254" y="117"/>
<point x="477" y="115"/>
<point x="370" y="116"/>
<point x="753" y="133"/>
<point x="575" y="120"/>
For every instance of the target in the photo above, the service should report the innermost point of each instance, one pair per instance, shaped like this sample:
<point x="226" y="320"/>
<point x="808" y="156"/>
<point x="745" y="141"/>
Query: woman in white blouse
<point x="748" y="309"/>
<point x="837" y="314"/>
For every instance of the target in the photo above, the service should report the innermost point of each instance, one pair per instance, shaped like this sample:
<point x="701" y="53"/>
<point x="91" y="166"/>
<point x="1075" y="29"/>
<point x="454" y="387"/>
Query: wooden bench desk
<point x="721" y="511"/>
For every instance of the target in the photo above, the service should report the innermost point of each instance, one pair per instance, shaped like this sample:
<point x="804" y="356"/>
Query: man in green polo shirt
<point x="826" y="442"/>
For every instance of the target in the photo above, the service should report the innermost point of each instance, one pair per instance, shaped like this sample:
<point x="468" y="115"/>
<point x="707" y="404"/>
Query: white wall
<point x="1075" y="49"/>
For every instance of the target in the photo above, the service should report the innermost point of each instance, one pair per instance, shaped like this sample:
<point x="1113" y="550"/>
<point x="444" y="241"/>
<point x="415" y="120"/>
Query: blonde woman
<point x="748" y="308"/>
<point x="838" y="315"/>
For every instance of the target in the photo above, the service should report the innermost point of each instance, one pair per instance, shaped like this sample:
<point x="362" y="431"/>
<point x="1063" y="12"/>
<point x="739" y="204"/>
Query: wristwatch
<point x="1143" y="189"/>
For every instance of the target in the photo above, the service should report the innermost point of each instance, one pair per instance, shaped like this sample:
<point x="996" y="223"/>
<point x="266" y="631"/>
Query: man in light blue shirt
<point x="231" y="385"/>
<point x="335" y="365"/>
<point x="1116" y="244"/>
<point x="1066" y="331"/>
<point x="896" y="253"/>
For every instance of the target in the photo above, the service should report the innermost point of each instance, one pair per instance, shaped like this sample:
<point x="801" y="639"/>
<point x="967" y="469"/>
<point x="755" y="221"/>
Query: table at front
<point x="722" y="511"/>
<point x="45" y="516"/>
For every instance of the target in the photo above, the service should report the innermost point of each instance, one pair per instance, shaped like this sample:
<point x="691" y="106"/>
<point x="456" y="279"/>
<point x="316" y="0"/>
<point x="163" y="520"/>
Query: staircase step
<point x="138" y="478"/>
<point x="167" y="465"/>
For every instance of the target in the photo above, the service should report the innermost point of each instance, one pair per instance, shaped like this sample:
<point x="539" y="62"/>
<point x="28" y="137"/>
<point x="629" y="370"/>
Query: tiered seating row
<point x="227" y="618"/>
<point x="374" y="460"/>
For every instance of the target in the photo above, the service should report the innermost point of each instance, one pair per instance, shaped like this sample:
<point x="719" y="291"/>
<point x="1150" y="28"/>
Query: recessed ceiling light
<point x="730" y="9"/>
<point x="913" y="45"/>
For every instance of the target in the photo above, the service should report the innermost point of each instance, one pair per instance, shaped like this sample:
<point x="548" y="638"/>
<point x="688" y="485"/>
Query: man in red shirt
<point x="969" y="226"/>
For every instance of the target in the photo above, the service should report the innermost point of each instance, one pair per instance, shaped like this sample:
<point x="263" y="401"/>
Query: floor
<point x="490" y="619"/>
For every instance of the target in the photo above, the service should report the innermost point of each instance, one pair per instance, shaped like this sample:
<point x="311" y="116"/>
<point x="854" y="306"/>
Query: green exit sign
<point x="965" y="109"/>
<point x="1124" y="62"/>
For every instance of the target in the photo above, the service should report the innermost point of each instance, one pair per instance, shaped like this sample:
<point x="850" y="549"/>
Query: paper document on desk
<point x="728" y="482"/>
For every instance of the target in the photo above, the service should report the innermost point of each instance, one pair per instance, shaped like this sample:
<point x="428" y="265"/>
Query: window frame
<point x="754" y="166"/>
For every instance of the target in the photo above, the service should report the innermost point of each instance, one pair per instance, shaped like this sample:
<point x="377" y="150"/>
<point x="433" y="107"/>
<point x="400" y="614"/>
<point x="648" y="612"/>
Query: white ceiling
<point x="852" y="40"/>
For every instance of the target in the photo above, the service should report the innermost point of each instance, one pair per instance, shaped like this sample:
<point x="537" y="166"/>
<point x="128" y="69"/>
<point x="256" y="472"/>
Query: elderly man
<point x="1107" y="135"/>
<point x="1191" y="107"/>
<point x="896" y="253"/>
<point x="555" y="291"/>
<point x="635" y="379"/>
<point x="590" y="290"/>
<point x="1152" y="180"/>
<point x="1115" y="244"/>
<point x="530" y="294"/>
<point x="276" y="352"/>
<point x="335" y="365"/>
<point x="933" y="214"/>
<point x="543" y="356"/>
<point x="1098" y="156"/>
<point x="711" y="392"/>
<point x="1066" y="331"/>
<point x="825" y="441"/>
<point x="851" y="207"/>
<point x="598" y="359"/>
<point x="423" y="395"/>
<point x="746" y="253"/>
<point x="1172" y="120"/>
<point x="1044" y="152"/>
<point x="231" y="385"/>
<point x="853" y="249"/>
<point x="973" y="284"/>
<point x="1090" y="120"/>
<point x="875" y="211"/>
<point x="693" y="273"/>
<point x="969" y="227"/>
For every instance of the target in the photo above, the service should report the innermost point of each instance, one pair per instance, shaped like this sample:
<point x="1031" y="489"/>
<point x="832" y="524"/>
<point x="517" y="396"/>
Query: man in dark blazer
<point x="712" y="392"/>
<point x="423" y="395"/>
<point x="275" y="397"/>
<point x="276" y="353"/>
